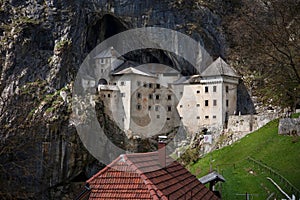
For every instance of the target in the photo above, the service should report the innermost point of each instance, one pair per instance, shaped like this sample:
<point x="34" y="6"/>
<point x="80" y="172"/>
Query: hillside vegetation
<point x="280" y="153"/>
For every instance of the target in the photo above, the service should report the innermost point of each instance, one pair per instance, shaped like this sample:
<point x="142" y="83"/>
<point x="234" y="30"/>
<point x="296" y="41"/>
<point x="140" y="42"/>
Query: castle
<point x="154" y="98"/>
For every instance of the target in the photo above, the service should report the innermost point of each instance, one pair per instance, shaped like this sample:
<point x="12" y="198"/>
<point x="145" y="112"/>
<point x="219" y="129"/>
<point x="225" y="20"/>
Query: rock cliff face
<point x="42" y="46"/>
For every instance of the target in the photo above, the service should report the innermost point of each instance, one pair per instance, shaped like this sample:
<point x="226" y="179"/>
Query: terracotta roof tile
<point x="140" y="176"/>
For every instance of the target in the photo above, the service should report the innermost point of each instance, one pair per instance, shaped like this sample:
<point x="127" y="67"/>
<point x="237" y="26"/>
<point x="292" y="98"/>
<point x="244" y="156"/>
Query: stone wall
<point x="289" y="126"/>
<point x="249" y="123"/>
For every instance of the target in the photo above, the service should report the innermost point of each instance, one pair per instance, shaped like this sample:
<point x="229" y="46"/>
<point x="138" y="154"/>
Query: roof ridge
<point x="149" y="184"/>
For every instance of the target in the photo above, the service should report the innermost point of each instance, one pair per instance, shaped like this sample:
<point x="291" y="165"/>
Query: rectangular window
<point x="150" y="85"/>
<point x="198" y="105"/>
<point x="158" y="86"/>
<point x="198" y="117"/>
<point x="206" y="102"/>
<point x="168" y="118"/>
<point x="206" y="117"/>
<point x="108" y="95"/>
<point x="206" y="89"/>
<point x="169" y="108"/>
<point x="215" y="102"/>
<point x="138" y="107"/>
<point x="214" y="116"/>
<point x="145" y="84"/>
<point x="198" y="91"/>
<point x="150" y="96"/>
<point x="102" y="70"/>
<point x="101" y="61"/>
<point x="157" y="97"/>
<point x="181" y="106"/>
<point x="169" y="97"/>
<point x="149" y="107"/>
<point x="122" y="94"/>
<point x="227" y="103"/>
<point x="227" y="89"/>
<point x="122" y="83"/>
<point x="138" y="83"/>
<point x="156" y="108"/>
<point x="157" y="116"/>
<point x="139" y="95"/>
<point x="215" y="89"/>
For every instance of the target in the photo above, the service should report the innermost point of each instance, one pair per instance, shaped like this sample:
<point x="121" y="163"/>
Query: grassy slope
<point x="276" y="151"/>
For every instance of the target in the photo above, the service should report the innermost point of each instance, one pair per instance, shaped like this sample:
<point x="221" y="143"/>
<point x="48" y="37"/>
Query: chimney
<point x="162" y="140"/>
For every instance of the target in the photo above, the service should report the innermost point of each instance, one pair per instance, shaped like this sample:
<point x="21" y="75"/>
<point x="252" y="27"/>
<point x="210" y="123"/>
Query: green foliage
<point x="189" y="156"/>
<point x="281" y="153"/>
<point x="63" y="43"/>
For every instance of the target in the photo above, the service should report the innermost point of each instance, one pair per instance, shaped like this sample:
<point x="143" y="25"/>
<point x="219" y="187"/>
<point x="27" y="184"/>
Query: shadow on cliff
<point x="245" y="104"/>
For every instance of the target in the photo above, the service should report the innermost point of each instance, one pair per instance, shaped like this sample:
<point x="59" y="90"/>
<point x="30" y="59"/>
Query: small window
<point x="157" y="97"/>
<point x="114" y="83"/>
<point x="157" y="116"/>
<point x="215" y="102"/>
<point x="206" y="89"/>
<point x="168" y="118"/>
<point x="227" y="102"/>
<point x="150" y="85"/>
<point x="169" y="97"/>
<point x="215" y="89"/>
<point x="101" y="61"/>
<point x="158" y="86"/>
<point x="206" y="102"/>
<point x="180" y="117"/>
<point x="122" y="94"/>
<point x="122" y="83"/>
<point x="198" y="117"/>
<point x="156" y="108"/>
<point x="227" y="89"/>
<point x="181" y="93"/>
<point x="145" y="84"/>
<point x="214" y="116"/>
<point x="150" y="96"/>
<point x="123" y="119"/>
<point x="169" y="108"/>
<point x="149" y="107"/>
<point x="198" y="91"/>
<point x="102" y="70"/>
<point x="138" y="107"/>
<point x="206" y="117"/>
<point x="139" y="95"/>
<point x="198" y="105"/>
<point x="108" y="95"/>
<point x="138" y="83"/>
<point x="181" y="106"/>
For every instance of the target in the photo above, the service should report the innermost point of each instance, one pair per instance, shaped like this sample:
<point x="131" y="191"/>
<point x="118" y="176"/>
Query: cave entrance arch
<point x="102" y="28"/>
<point x="102" y="81"/>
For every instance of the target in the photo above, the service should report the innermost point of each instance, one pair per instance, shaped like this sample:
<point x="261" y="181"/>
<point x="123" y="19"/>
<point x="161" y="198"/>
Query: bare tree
<point x="265" y="36"/>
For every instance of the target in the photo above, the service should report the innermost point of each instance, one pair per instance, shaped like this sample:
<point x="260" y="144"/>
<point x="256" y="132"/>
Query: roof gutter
<point x="83" y="193"/>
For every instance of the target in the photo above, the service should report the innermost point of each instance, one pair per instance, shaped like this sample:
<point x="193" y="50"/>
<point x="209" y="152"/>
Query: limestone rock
<point x="289" y="126"/>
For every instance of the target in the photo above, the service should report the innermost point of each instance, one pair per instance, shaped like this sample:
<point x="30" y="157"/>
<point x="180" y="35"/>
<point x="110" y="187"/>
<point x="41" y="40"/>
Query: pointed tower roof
<point x="108" y="53"/>
<point x="219" y="68"/>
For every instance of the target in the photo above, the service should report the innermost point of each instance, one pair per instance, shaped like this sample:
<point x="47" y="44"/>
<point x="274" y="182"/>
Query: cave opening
<point x="102" y="29"/>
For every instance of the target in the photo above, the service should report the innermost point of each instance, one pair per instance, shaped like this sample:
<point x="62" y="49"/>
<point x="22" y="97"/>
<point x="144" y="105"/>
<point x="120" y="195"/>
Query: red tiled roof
<point x="140" y="176"/>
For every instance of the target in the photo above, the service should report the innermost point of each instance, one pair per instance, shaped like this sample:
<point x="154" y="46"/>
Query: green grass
<point x="281" y="153"/>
